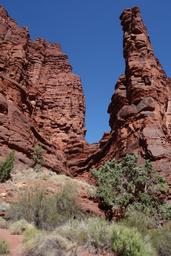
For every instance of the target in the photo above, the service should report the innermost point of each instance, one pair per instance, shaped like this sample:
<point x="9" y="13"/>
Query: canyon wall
<point x="42" y="102"/>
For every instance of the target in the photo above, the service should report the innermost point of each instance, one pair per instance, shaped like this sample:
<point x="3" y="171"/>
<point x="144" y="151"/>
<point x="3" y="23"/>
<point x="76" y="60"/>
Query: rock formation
<point x="42" y="102"/>
<point x="140" y="108"/>
<point x="139" y="114"/>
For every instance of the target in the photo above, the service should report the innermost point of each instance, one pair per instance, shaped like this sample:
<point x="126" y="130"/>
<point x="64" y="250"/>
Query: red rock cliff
<point x="140" y="108"/>
<point x="41" y="100"/>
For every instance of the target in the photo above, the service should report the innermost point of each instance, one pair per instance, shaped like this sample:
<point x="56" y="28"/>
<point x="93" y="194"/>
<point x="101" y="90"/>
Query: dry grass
<point x="18" y="227"/>
<point x="4" y="247"/>
<point x="47" y="211"/>
<point x="92" y="232"/>
<point x="30" y="233"/>
<point x="48" y="244"/>
<point x="28" y="178"/>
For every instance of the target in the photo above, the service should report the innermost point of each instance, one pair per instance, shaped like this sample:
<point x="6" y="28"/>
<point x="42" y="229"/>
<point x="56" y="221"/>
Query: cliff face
<point x="41" y="100"/>
<point x="140" y="108"/>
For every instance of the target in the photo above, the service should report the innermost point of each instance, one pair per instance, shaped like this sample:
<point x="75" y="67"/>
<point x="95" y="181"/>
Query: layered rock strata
<point x="41" y="100"/>
<point x="140" y="108"/>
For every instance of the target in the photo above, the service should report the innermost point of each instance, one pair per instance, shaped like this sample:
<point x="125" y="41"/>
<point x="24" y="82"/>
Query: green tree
<point x="125" y="183"/>
<point x="6" y="167"/>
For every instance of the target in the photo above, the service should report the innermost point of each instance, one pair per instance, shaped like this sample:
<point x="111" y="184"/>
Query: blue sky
<point x="89" y="32"/>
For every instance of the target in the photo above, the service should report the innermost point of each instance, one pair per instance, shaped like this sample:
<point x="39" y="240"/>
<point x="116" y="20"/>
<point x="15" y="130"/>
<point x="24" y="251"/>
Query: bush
<point x="139" y="220"/>
<point x="161" y="240"/>
<point x="30" y="233"/>
<point x="159" y="237"/>
<point x="124" y="184"/>
<point x="32" y="206"/>
<point x="18" y="227"/>
<point x="129" y="242"/>
<point x="37" y="156"/>
<point x="6" y="167"/>
<point x="47" y="244"/>
<point x="91" y="232"/>
<point x="66" y="204"/>
<point x="4" y="247"/>
<point x="47" y="212"/>
<point x="3" y="223"/>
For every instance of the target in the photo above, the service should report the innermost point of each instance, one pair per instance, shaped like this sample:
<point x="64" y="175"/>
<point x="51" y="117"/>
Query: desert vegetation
<point x="37" y="156"/>
<point x="6" y="167"/>
<point x="55" y="223"/>
<point x="44" y="211"/>
<point x="4" y="247"/>
<point x="126" y="185"/>
<point x="3" y="223"/>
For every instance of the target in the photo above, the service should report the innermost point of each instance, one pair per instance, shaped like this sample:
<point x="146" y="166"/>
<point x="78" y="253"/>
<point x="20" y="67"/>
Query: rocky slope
<point x="42" y="102"/>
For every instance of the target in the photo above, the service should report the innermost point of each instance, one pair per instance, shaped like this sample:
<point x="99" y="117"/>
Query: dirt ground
<point x="14" y="241"/>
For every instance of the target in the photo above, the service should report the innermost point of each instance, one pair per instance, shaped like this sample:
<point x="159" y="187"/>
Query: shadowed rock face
<point x="41" y="101"/>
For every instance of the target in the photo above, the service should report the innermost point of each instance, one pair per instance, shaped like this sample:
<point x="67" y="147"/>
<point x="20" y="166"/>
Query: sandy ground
<point x="14" y="241"/>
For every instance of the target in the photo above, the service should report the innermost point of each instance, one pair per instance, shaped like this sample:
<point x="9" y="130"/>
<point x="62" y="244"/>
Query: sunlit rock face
<point x="140" y="108"/>
<point x="41" y="100"/>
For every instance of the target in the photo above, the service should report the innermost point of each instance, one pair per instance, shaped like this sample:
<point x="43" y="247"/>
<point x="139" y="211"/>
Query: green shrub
<point x="18" y="227"/>
<point x="6" y="167"/>
<point x="124" y="184"/>
<point x="3" y="223"/>
<point x="129" y="242"/>
<point x="160" y="237"/>
<point x="4" y="247"/>
<point x="47" y="212"/>
<point x="161" y="240"/>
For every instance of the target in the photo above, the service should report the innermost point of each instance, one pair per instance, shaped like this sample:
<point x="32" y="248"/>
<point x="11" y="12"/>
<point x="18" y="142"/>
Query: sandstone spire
<point x="140" y="107"/>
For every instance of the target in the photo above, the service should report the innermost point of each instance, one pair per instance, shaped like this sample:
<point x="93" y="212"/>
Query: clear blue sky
<point x="90" y="33"/>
